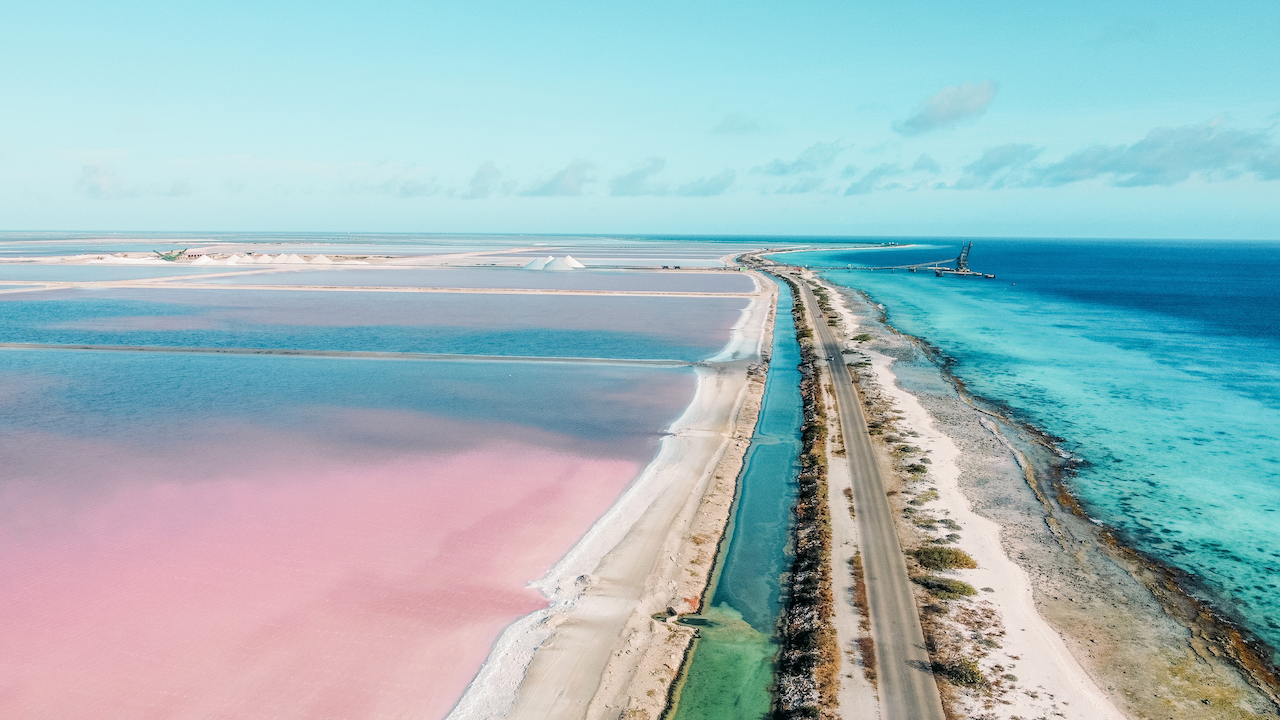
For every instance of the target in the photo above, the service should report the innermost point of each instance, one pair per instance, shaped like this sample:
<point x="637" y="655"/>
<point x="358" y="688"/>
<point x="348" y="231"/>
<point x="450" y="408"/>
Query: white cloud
<point x="101" y="182"/>
<point x="736" y="124"/>
<point x="949" y="106"/>
<point x="1167" y="156"/>
<point x="815" y="158"/>
<point x="926" y="163"/>
<point x="708" y="186"/>
<point x="484" y="182"/>
<point x="637" y="182"/>
<point x="999" y="166"/>
<point x="870" y="181"/>
<point x="568" y="182"/>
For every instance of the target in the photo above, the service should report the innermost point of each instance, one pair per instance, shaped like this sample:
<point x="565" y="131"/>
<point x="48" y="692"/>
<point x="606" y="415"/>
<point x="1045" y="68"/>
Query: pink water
<point x="290" y="582"/>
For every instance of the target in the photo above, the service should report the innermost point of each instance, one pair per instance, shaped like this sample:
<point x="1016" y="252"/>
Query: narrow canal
<point x="731" y="670"/>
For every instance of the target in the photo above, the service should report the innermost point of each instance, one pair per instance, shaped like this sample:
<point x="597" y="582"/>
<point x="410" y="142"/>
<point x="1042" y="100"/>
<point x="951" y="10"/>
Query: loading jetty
<point x="940" y="268"/>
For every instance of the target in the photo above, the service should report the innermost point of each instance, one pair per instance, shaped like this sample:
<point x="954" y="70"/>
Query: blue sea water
<point x="1156" y="362"/>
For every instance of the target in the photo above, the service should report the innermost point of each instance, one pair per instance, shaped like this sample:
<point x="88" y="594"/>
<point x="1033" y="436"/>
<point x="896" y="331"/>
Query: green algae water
<point x="731" y="671"/>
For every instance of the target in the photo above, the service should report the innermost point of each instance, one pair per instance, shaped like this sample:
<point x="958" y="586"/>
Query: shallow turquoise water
<point x="1158" y="363"/>
<point x="731" y="670"/>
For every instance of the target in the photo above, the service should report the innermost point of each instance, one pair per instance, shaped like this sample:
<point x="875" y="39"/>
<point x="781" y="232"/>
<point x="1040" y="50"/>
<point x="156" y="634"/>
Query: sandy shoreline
<point x="597" y="651"/>
<point x="1063" y="617"/>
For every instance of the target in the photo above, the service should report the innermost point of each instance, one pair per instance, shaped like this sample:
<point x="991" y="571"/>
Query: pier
<point x="939" y="267"/>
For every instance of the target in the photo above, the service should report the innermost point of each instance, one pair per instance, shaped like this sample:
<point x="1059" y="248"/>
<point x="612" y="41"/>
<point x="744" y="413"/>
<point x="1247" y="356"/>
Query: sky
<point x="1055" y="119"/>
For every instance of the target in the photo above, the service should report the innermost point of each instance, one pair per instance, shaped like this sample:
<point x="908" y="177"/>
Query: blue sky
<point x="908" y="118"/>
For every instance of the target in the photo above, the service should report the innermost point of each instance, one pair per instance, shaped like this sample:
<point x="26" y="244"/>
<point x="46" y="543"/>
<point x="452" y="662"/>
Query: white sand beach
<point x="1049" y="681"/>
<point x="597" y="650"/>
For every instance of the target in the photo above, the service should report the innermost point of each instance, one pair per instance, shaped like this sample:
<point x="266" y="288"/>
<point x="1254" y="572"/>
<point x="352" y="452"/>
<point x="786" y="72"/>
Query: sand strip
<point x="1051" y="681"/>
<point x="596" y="651"/>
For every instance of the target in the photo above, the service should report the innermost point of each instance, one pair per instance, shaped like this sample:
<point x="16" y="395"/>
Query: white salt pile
<point x="538" y="263"/>
<point x="558" y="265"/>
<point x="262" y="259"/>
<point x="204" y="260"/>
<point x="290" y="259"/>
<point x="572" y="262"/>
<point x="321" y="260"/>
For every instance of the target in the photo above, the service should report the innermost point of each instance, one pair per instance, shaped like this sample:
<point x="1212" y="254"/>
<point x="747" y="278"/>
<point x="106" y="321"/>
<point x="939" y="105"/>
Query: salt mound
<point x="265" y="259"/>
<point x="536" y="264"/>
<point x="558" y="265"/>
<point x="321" y="260"/>
<point x="291" y="259"/>
<point x="204" y="260"/>
<point x="235" y="259"/>
<point x="572" y="262"/>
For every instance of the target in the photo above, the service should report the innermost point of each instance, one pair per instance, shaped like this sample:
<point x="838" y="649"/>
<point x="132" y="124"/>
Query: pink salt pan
<point x="316" y="588"/>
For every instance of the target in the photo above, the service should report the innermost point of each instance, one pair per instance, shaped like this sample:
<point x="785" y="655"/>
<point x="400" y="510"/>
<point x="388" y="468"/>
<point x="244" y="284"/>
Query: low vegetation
<point x="943" y="558"/>
<point x="925" y="497"/>
<point x="866" y="645"/>
<point x="944" y="588"/>
<point x="809" y="659"/>
<point x="961" y="671"/>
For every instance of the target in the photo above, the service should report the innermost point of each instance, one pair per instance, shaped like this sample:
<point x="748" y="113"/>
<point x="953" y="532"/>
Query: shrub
<point x="864" y="337"/>
<point x="924" y="497"/>
<point x="943" y="558"/>
<point x="944" y="588"/>
<point x="961" y="672"/>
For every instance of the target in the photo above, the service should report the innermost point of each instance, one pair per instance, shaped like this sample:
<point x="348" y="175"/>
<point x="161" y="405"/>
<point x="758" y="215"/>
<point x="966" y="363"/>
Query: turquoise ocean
<point x="1156" y="363"/>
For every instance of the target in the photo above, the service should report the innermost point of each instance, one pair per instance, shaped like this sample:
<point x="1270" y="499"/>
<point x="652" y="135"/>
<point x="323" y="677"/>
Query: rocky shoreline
<point x="1155" y="650"/>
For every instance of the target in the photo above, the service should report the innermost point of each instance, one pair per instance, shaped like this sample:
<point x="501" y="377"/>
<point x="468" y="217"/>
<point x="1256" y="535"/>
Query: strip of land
<point x="905" y="679"/>
<point x="369" y="355"/>
<point x="599" y="651"/>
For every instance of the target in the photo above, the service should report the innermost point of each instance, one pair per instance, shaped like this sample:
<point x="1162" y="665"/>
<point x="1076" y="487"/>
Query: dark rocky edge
<point x="1179" y="594"/>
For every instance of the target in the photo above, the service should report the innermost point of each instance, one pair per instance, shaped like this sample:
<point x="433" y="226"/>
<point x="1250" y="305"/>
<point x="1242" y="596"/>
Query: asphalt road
<point x="906" y="685"/>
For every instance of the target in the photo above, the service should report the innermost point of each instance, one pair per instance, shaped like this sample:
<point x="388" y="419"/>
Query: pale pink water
<point x="311" y="587"/>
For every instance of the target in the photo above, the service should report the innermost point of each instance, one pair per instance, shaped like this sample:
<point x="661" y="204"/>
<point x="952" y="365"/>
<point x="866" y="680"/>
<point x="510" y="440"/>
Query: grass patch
<point x="924" y="497"/>
<point x="944" y="558"/>
<point x="944" y="588"/>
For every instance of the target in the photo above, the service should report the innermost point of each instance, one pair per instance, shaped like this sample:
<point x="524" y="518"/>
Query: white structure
<point x="554" y="264"/>
<point x="321" y="260"/>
